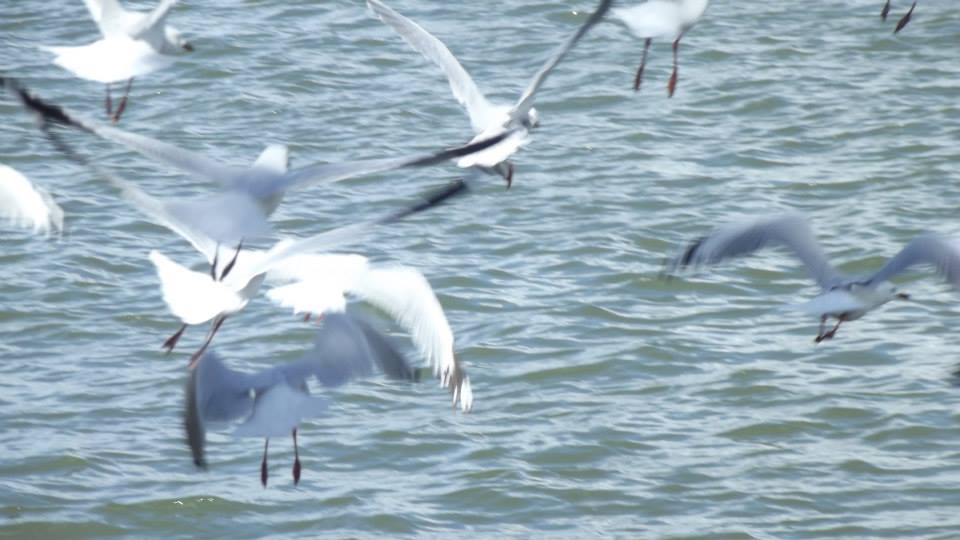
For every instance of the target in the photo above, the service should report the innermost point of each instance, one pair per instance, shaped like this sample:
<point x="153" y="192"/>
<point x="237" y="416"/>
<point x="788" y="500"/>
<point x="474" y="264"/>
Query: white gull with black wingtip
<point x="843" y="298"/>
<point x="487" y="119"/>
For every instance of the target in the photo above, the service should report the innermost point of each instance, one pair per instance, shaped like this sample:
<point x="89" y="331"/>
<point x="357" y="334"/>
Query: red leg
<point x="672" y="85"/>
<point x="643" y="62"/>
<point x="203" y="348"/>
<point x="306" y="318"/>
<point x="263" y="464"/>
<point x="123" y="102"/>
<point x="171" y="341"/>
<point x="109" y="102"/>
<point x="906" y="18"/>
<point x="296" y="459"/>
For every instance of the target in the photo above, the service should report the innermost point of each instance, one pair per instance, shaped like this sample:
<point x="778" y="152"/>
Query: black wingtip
<point x="46" y="110"/>
<point x="435" y="198"/>
<point x="691" y="252"/>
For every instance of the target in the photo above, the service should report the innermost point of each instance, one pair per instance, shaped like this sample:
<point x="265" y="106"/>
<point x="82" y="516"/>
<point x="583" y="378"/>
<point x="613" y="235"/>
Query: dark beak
<point x="188" y="47"/>
<point x="903" y="296"/>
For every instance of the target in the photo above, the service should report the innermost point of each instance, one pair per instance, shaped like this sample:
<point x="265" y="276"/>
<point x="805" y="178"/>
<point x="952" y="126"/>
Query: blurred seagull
<point x="26" y="205"/>
<point x="903" y="20"/>
<point x="276" y="400"/>
<point x="198" y="297"/>
<point x="486" y="118"/>
<point x="134" y="44"/>
<point x="661" y="19"/>
<point x="319" y="284"/>
<point x="230" y="214"/>
<point x="843" y="298"/>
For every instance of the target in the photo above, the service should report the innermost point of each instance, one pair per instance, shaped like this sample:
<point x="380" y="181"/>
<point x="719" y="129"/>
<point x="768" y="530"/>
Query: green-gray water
<point x="608" y="402"/>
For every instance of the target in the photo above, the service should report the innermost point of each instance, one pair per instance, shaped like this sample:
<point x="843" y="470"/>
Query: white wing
<point x="525" y="102"/>
<point x="481" y="112"/>
<point x="25" y="205"/>
<point x="317" y="283"/>
<point x="326" y="241"/>
<point x="833" y="302"/>
<point x="111" y="18"/>
<point x="193" y="297"/>
<point x="150" y="26"/>
<point x="406" y="296"/>
<point x="186" y="160"/>
<point x="160" y="213"/>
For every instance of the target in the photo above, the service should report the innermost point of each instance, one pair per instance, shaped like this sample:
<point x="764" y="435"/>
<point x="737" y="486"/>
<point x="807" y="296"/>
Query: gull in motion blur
<point x="26" y="205"/>
<point x="320" y="284"/>
<point x="903" y="20"/>
<point x="232" y="213"/>
<point x="134" y="44"/>
<point x="486" y="118"/>
<point x="843" y="298"/>
<point x="274" y="401"/>
<point x="668" y="19"/>
<point x="199" y="297"/>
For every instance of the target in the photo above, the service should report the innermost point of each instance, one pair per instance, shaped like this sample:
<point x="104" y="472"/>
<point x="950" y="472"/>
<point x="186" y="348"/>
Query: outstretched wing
<point x="525" y="102"/>
<point x="328" y="240"/>
<point x="24" y="204"/>
<point x="406" y="296"/>
<point x="214" y="393"/>
<point x="346" y="347"/>
<point x="152" y="23"/>
<point x="738" y="239"/>
<point x="185" y="160"/>
<point x="263" y="187"/>
<point x="480" y="110"/>
<point x="926" y="249"/>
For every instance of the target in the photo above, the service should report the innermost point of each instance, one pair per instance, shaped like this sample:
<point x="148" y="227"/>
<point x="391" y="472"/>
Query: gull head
<point x="879" y="294"/>
<point x="176" y="41"/>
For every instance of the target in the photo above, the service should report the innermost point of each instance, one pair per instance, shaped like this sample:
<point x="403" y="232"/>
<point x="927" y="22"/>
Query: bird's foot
<point x="172" y="341"/>
<point x="672" y="85"/>
<point x="906" y="18"/>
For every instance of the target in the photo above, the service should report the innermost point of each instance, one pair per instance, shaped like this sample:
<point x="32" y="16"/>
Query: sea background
<point x="609" y="402"/>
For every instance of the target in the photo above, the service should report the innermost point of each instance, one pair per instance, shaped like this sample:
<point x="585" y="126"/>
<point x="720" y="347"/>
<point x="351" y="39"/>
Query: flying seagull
<point x="26" y="205"/>
<point x="199" y="297"/>
<point x="661" y="19"/>
<point x="228" y="215"/>
<point x="321" y="284"/>
<point x="133" y="44"/>
<point x="274" y="401"/>
<point x="487" y="119"/>
<point x="843" y="298"/>
<point x="903" y="20"/>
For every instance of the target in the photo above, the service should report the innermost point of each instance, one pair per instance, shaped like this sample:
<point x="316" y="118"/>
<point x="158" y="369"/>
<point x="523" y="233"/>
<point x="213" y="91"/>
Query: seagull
<point x="487" y="119"/>
<point x="26" y="205"/>
<point x="134" y="44"/>
<point x="229" y="215"/>
<point x="198" y="297"/>
<point x="276" y="400"/>
<point x="661" y="19"/>
<point x="903" y="20"/>
<point x="320" y="284"/>
<point x="844" y="298"/>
